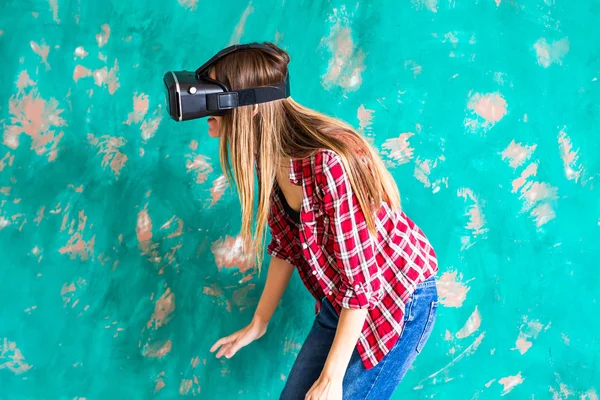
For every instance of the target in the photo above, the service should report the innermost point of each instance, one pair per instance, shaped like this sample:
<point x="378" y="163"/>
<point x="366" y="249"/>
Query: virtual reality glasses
<point x="192" y="95"/>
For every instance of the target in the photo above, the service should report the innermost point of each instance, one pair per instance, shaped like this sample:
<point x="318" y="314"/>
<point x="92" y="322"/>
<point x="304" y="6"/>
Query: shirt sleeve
<point x="353" y="244"/>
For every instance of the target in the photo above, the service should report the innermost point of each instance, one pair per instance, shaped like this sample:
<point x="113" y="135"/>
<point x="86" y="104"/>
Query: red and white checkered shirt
<point x="336" y="256"/>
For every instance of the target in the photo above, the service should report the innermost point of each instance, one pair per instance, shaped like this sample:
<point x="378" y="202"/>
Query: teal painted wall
<point x="120" y="264"/>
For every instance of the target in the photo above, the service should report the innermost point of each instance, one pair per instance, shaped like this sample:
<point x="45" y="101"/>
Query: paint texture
<point x="121" y="260"/>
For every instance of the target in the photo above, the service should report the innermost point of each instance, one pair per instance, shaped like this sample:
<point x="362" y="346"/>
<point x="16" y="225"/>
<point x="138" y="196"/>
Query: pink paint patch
<point x="452" y="291"/>
<point x="109" y="147"/>
<point x="365" y="117"/>
<point x="11" y="358"/>
<point x="510" y="382"/>
<point x="534" y="192"/>
<point x="523" y="345"/>
<point x="517" y="154"/>
<point x="423" y="170"/>
<point x="163" y="310"/>
<point x="491" y="106"/>
<point x="108" y="78"/>
<point x="35" y="117"/>
<point x="54" y="8"/>
<point x="102" y="37"/>
<point x="100" y="76"/>
<point x="477" y="220"/>
<point x="217" y="190"/>
<point x="24" y="81"/>
<point x="144" y="227"/>
<point x="150" y="126"/>
<point x="562" y="392"/>
<point x="229" y="253"/>
<point x="160" y="382"/>
<point x="167" y="225"/>
<point x="573" y="169"/>
<point x="346" y="64"/>
<point x="543" y="214"/>
<point x="470" y="326"/>
<point x="430" y="5"/>
<point x="77" y="246"/>
<point x="140" y="108"/>
<point x="80" y="52"/>
<point x="189" y="4"/>
<point x="81" y="72"/>
<point x="531" y="170"/>
<point x="113" y="80"/>
<point x="158" y="349"/>
<point x="213" y="290"/>
<point x="40" y="215"/>
<point x="528" y="330"/>
<point x="200" y="167"/>
<point x="414" y="67"/>
<point x="42" y="51"/>
<point x="190" y="387"/>
<point x="8" y="159"/>
<point x="551" y="53"/>
<point x="239" y="28"/>
<point x="589" y="395"/>
<point x="69" y="292"/>
<point x="399" y="148"/>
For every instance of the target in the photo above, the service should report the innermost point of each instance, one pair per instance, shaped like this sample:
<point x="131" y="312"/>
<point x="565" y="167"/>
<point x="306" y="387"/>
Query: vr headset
<point x="192" y="95"/>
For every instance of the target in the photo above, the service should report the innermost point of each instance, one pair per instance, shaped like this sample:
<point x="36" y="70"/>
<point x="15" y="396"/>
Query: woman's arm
<point x="278" y="277"/>
<point x="346" y="336"/>
<point x="329" y="385"/>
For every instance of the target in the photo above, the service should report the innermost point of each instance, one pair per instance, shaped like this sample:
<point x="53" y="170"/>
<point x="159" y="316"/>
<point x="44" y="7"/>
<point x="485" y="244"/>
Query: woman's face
<point x="213" y="122"/>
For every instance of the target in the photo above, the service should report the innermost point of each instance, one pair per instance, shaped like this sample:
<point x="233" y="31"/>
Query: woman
<point x="370" y="268"/>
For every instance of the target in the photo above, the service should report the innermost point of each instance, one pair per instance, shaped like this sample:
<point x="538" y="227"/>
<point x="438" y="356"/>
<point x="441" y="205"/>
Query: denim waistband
<point x="427" y="282"/>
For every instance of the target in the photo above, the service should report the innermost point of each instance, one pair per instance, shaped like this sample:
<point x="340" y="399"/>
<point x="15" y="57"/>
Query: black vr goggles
<point x="192" y="95"/>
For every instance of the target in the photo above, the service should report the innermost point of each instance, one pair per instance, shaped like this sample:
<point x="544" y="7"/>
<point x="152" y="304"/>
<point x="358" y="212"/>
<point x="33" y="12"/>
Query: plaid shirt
<point x="336" y="256"/>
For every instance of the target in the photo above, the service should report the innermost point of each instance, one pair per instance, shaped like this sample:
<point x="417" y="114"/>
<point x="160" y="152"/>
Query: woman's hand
<point x="325" y="388"/>
<point x="232" y="343"/>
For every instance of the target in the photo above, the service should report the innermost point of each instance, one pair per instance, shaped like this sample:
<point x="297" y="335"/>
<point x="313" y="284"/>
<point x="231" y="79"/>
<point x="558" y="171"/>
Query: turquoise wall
<point x="120" y="260"/>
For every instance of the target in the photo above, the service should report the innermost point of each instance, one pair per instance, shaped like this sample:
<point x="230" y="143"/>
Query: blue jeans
<point x="359" y="383"/>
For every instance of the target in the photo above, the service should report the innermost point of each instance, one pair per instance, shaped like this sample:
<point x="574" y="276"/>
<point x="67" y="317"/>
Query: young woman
<point x="334" y="214"/>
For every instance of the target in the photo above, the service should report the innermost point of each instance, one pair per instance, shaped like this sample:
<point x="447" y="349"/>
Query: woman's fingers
<point x="223" y="340"/>
<point x="233" y="348"/>
<point x="232" y="343"/>
<point x="218" y="343"/>
<point x="225" y="348"/>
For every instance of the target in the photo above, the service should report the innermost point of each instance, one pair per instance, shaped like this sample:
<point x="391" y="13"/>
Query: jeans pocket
<point x="428" y="325"/>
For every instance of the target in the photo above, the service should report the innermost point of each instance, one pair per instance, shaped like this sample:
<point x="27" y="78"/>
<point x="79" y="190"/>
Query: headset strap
<point x="227" y="51"/>
<point x="245" y="97"/>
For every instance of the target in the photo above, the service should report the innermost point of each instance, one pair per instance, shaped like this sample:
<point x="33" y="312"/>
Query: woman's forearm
<point x="346" y="336"/>
<point x="278" y="277"/>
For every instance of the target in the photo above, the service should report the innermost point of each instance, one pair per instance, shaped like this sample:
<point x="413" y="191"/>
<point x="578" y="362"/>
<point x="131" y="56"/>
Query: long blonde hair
<point x="285" y="129"/>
